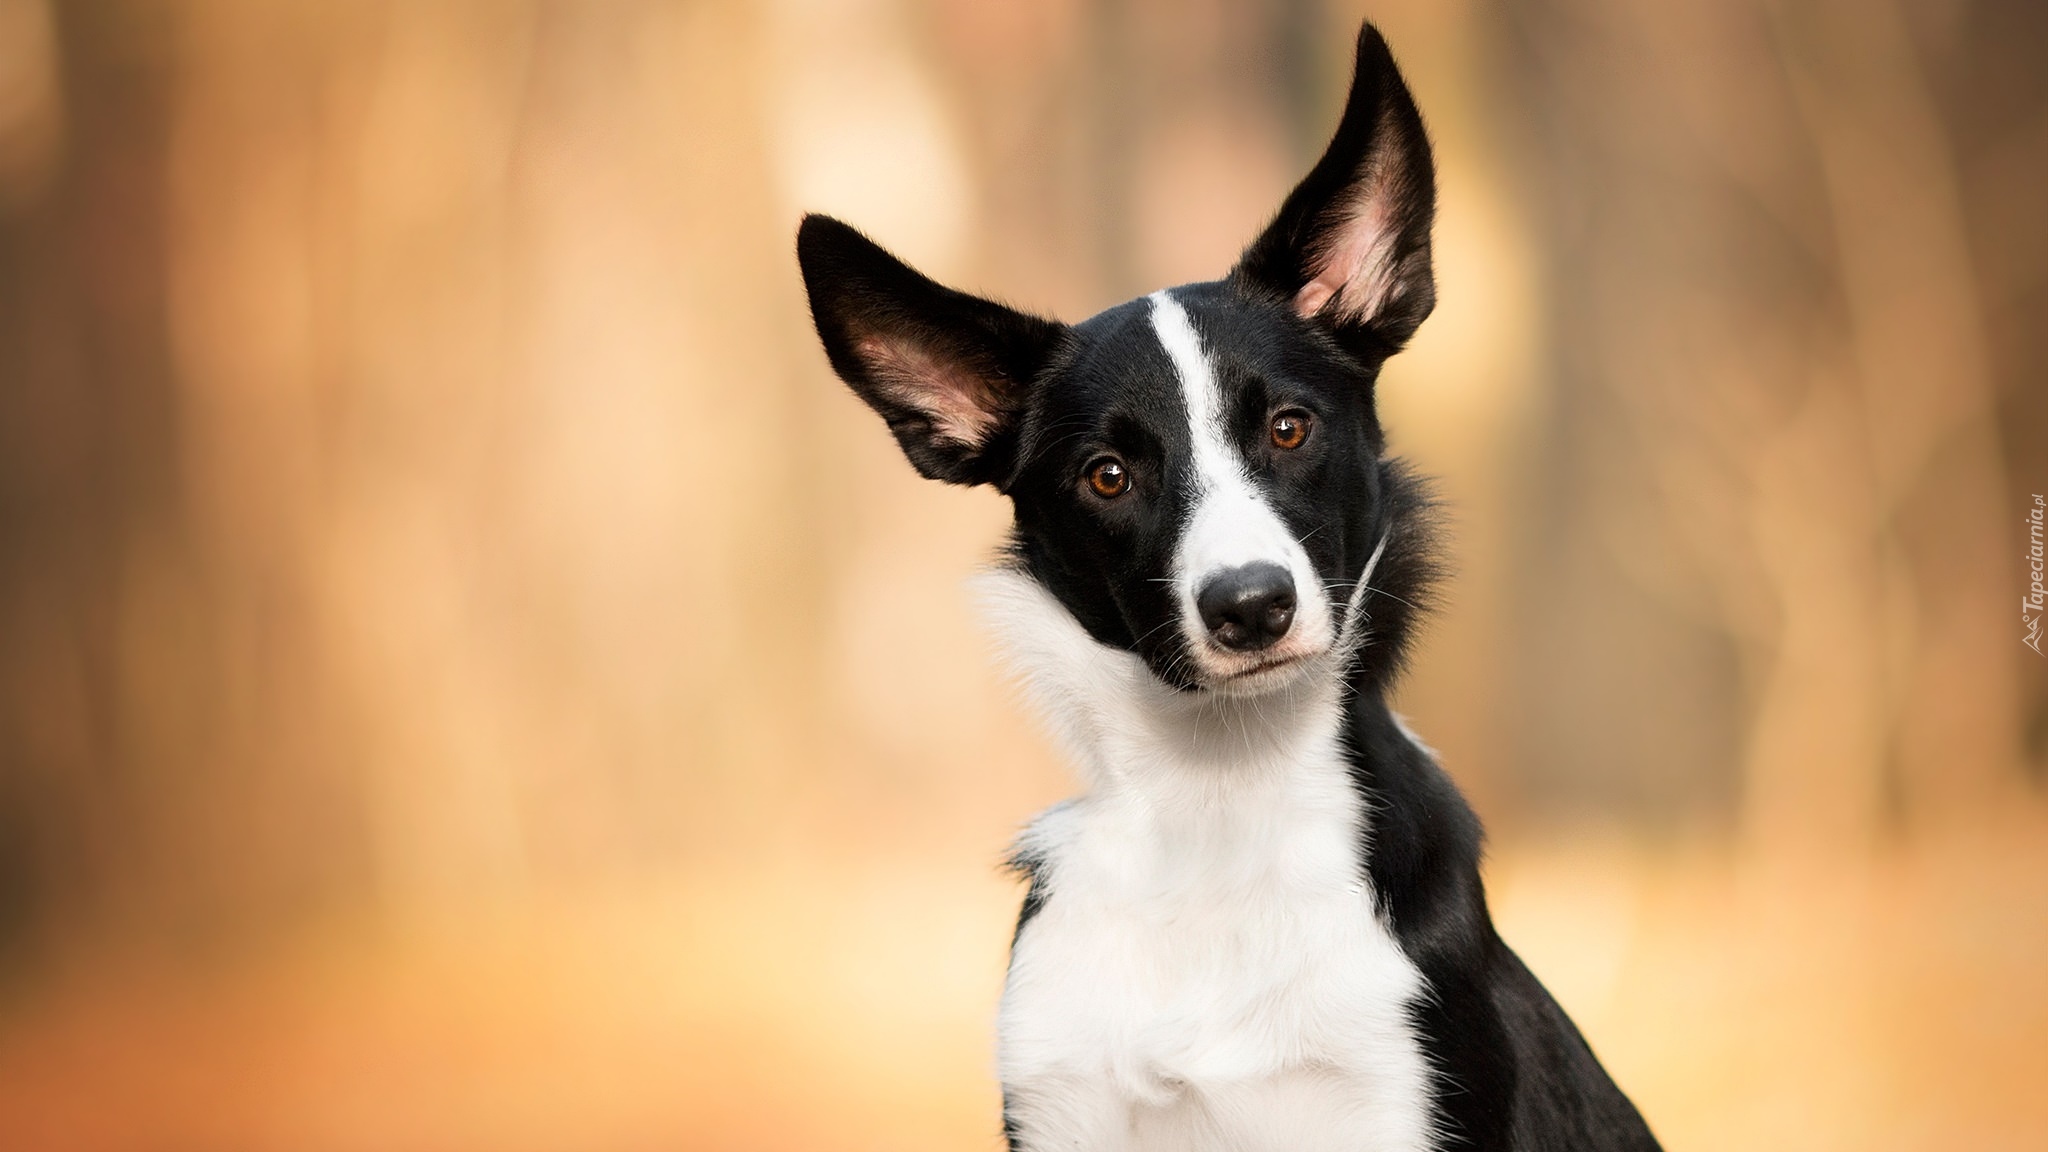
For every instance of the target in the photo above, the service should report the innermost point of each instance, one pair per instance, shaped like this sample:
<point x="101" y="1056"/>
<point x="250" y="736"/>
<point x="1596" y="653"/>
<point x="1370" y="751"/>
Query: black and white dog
<point x="1262" y="925"/>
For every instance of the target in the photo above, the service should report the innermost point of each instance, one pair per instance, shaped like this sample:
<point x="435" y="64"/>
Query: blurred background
<point x="470" y="678"/>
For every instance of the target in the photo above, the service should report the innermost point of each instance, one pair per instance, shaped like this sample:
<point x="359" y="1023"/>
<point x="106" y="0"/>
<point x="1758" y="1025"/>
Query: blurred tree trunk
<point x="89" y="470"/>
<point x="1777" y="497"/>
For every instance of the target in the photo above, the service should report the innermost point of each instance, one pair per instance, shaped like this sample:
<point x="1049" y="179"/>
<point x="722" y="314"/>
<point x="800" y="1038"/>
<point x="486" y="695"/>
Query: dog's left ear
<point x="948" y="371"/>
<point x="1350" y="247"/>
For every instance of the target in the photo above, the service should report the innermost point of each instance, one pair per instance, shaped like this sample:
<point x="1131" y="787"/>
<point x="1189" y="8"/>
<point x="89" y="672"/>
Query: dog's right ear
<point x="948" y="371"/>
<point x="1350" y="247"/>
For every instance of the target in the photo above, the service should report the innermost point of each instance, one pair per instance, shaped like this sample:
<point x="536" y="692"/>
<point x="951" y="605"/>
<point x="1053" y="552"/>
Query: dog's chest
<point x="1207" y="972"/>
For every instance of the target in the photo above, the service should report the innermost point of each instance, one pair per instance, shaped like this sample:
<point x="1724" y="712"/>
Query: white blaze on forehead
<point x="1215" y="463"/>
<point x="1230" y="524"/>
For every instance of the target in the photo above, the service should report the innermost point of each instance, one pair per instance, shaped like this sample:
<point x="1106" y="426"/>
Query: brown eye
<point x="1109" y="478"/>
<point x="1290" y="429"/>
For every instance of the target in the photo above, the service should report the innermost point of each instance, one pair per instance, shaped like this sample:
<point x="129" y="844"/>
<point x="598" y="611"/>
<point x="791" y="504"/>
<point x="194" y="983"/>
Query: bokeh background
<point x="471" y="679"/>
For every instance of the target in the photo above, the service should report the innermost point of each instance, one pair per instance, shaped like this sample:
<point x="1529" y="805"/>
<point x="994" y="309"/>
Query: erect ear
<point x="947" y="370"/>
<point x="1350" y="247"/>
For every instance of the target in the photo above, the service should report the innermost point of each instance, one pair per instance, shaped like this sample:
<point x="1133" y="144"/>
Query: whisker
<point x="1156" y="629"/>
<point x="1390" y="596"/>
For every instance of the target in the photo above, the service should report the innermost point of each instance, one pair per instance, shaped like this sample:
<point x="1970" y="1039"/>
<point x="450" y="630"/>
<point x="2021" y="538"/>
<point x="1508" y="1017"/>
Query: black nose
<point x="1248" y="608"/>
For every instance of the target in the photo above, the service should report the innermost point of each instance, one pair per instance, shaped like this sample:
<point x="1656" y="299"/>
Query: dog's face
<point x="1195" y="473"/>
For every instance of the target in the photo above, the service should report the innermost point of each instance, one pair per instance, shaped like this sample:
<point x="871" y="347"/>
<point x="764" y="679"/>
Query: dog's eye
<point x="1109" y="478"/>
<point x="1290" y="429"/>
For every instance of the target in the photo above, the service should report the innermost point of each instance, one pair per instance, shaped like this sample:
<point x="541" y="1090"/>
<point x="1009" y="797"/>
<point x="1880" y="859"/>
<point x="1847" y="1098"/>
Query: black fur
<point x="1512" y="1071"/>
<point x="1043" y="401"/>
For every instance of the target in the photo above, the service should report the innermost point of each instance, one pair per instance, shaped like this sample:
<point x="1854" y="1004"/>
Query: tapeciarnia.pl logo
<point x="2036" y="599"/>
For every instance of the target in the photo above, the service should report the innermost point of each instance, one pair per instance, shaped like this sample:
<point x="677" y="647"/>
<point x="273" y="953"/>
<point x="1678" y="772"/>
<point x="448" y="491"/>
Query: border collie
<point x="1261" y="926"/>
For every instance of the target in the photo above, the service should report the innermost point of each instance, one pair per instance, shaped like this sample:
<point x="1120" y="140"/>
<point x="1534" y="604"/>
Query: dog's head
<point x="1197" y="475"/>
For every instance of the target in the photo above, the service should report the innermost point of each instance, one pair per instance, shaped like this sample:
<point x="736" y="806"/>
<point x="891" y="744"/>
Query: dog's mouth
<point x="1263" y="667"/>
<point x="1265" y="674"/>
<point x="1210" y="666"/>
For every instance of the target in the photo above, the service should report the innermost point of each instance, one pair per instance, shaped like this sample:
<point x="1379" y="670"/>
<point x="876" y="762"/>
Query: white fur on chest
<point x="1208" y="971"/>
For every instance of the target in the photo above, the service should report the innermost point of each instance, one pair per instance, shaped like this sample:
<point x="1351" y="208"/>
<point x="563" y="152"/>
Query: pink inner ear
<point x="1356" y="272"/>
<point x="959" y="402"/>
<point x="1312" y="297"/>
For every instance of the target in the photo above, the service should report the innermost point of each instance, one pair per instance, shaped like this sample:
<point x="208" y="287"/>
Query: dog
<point x="1261" y="926"/>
